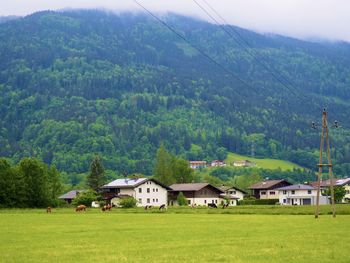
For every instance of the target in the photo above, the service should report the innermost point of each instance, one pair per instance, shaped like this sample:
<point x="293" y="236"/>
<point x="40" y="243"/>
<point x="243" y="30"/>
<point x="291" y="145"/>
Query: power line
<point x="243" y="42"/>
<point x="195" y="47"/>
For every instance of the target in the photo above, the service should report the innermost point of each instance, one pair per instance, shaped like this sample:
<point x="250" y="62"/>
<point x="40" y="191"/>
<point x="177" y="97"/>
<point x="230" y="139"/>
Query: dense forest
<point x="78" y="83"/>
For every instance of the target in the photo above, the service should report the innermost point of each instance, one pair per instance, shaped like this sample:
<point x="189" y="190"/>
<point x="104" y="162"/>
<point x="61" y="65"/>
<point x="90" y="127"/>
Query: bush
<point x="258" y="202"/>
<point x="86" y="198"/>
<point x="128" y="202"/>
<point x="181" y="199"/>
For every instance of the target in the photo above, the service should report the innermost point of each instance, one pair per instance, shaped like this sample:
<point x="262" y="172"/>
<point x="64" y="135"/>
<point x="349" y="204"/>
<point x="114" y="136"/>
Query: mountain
<point x="76" y="83"/>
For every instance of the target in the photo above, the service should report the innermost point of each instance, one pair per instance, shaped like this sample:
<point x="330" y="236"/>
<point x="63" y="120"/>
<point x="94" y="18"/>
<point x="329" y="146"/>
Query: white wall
<point x="157" y="195"/>
<point x="235" y="192"/>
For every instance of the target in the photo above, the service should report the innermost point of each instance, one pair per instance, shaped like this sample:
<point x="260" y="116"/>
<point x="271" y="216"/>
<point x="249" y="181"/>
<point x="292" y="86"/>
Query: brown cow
<point x="106" y="207"/>
<point x="48" y="209"/>
<point x="80" y="208"/>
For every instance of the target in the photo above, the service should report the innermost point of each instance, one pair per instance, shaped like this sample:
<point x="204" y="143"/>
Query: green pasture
<point x="263" y="163"/>
<point x="176" y="235"/>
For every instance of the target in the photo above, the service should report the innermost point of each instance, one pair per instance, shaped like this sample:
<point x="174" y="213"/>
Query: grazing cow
<point x="148" y="207"/>
<point x="107" y="207"/>
<point x="212" y="205"/>
<point x="80" y="208"/>
<point x="162" y="207"/>
<point x="224" y="206"/>
<point x="48" y="209"/>
<point x="194" y="205"/>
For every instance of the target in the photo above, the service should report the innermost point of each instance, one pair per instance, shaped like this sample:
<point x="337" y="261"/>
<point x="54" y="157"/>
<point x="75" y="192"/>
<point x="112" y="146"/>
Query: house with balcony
<point x="146" y="191"/>
<point x="268" y="189"/>
<point x="200" y="194"/>
<point x="344" y="182"/>
<point x="300" y="194"/>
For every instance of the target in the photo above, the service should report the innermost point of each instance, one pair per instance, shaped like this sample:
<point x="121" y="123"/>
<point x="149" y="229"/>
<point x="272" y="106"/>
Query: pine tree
<point x="96" y="177"/>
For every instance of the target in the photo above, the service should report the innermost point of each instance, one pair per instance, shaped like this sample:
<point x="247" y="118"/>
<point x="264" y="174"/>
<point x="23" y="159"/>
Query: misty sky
<point x="307" y="19"/>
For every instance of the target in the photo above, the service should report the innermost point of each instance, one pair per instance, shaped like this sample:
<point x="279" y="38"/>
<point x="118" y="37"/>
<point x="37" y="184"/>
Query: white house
<point x="198" y="164"/>
<point x="146" y="191"/>
<point x="243" y="163"/>
<point x="217" y="163"/>
<point x="300" y="194"/>
<point x="344" y="182"/>
<point x="234" y="191"/>
<point x="200" y="194"/>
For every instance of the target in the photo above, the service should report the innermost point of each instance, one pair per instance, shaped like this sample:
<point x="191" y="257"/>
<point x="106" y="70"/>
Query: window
<point x="234" y="192"/>
<point x="309" y="192"/>
<point x="272" y="192"/>
<point x="140" y="200"/>
<point x="153" y="200"/>
<point x="148" y="190"/>
<point x="293" y="192"/>
<point x="205" y="201"/>
<point x="284" y="201"/>
<point x="216" y="201"/>
<point x="140" y="190"/>
<point x="284" y="192"/>
<point x="157" y="200"/>
<point x="347" y="191"/>
<point x="148" y="200"/>
<point x="263" y="193"/>
<point x="189" y="202"/>
<point x="212" y="201"/>
<point x="233" y="202"/>
<point x="156" y="189"/>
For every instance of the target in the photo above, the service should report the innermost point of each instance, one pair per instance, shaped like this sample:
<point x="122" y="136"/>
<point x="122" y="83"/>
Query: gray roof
<point x="297" y="187"/>
<point x="125" y="183"/>
<point x="269" y="184"/>
<point x="225" y="188"/>
<point x="131" y="183"/>
<point x="71" y="194"/>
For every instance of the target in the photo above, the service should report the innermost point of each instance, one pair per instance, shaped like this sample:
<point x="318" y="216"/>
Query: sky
<point x="305" y="19"/>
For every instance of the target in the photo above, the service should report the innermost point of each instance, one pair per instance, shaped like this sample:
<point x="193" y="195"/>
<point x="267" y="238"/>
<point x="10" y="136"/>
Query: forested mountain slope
<point x="83" y="82"/>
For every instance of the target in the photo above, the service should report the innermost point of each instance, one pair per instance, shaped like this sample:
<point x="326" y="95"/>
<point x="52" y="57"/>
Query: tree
<point x="339" y="193"/>
<point x="96" y="178"/>
<point x="36" y="182"/>
<point x="182" y="173"/>
<point x="162" y="169"/>
<point x="181" y="199"/>
<point x="7" y="184"/>
<point x="55" y="185"/>
<point x="86" y="198"/>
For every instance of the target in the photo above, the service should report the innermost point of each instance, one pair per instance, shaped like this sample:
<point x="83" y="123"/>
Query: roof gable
<point x="193" y="187"/>
<point x="270" y="184"/>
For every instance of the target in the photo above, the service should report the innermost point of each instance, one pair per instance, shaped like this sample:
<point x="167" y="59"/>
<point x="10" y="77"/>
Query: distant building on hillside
<point x="217" y="163"/>
<point x="198" y="164"/>
<point x="243" y="163"/>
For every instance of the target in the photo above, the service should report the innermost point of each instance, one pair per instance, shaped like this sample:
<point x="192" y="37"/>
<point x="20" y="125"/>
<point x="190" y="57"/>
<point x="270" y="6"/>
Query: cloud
<point x="325" y="19"/>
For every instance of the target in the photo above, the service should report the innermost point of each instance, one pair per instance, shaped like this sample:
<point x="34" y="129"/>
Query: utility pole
<point x="324" y="137"/>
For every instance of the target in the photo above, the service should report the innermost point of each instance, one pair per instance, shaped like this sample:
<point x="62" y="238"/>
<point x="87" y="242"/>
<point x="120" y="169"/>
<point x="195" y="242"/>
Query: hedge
<point x="258" y="202"/>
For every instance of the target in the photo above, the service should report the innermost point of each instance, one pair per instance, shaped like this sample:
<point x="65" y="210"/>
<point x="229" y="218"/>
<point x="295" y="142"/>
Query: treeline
<point x="30" y="183"/>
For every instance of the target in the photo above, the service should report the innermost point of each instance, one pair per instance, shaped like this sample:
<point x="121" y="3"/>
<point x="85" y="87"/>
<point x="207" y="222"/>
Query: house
<point x="243" y="163"/>
<point x="345" y="182"/>
<point x="234" y="191"/>
<point x="200" y="194"/>
<point x="300" y="194"/>
<point x="267" y="189"/>
<point x="146" y="191"/>
<point x="217" y="163"/>
<point x="198" y="164"/>
<point x="68" y="197"/>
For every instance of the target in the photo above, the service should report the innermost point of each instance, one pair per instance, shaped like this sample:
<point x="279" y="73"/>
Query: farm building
<point x="200" y="194"/>
<point x="267" y="189"/>
<point x="145" y="190"/>
<point x="69" y="196"/>
<point x="234" y="191"/>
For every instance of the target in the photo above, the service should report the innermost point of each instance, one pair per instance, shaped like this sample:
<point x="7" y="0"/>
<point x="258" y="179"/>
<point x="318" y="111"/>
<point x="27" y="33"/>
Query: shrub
<point x="86" y="198"/>
<point x="181" y="199"/>
<point x="128" y="202"/>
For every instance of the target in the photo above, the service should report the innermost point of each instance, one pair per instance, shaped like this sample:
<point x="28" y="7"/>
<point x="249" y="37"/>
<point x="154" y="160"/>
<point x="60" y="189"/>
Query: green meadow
<point x="263" y="163"/>
<point x="175" y="235"/>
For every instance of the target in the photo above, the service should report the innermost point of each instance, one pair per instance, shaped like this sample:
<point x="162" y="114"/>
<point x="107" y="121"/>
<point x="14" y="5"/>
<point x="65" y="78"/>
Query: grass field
<point x="263" y="163"/>
<point x="177" y="235"/>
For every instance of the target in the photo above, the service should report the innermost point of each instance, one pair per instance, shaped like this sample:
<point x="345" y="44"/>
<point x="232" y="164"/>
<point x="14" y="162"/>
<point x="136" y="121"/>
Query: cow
<point x="148" y="207"/>
<point x="107" y="207"/>
<point x="212" y="205"/>
<point x="162" y="207"/>
<point x="48" y="209"/>
<point x="80" y="208"/>
<point x="194" y="205"/>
